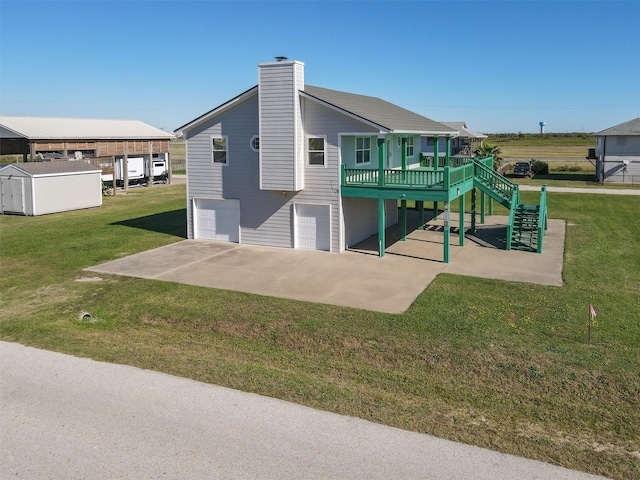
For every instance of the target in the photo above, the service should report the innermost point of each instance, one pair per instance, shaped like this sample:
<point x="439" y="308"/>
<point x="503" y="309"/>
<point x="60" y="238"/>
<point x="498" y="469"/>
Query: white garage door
<point x="217" y="220"/>
<point x="313" y="227"/>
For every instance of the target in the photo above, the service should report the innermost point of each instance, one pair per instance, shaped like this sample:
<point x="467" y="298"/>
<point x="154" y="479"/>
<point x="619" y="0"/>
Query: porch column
<point x="381" y="225"/>
<point x="381" y="158"/>
<point x="404" y="153"/>
<point x="483" y="201"/>
<point x="403" y="220"/>
<point x="435" y="152"/>
<point x="473" y="210"/>
<point x="447" y="232"/>
<point x="435" y="210"/>
<point x="420" y="205"/>
<point x="461" y="239"/>
<point x="381" y="213"/>
<point x="490" y="205"/>
<point x="447" y="150"/>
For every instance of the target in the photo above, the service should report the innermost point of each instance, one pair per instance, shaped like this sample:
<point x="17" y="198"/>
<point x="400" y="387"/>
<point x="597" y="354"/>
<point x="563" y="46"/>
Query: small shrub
<point x="540" y="168"/>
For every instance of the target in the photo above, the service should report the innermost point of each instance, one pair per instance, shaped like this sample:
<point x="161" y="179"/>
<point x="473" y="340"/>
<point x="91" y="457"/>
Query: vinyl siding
<point x="265" y="216"/>
<point x="280" y="126"/>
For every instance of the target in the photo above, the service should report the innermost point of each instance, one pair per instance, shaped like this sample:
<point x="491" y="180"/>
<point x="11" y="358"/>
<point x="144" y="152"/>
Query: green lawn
<point x="496" y="364"/>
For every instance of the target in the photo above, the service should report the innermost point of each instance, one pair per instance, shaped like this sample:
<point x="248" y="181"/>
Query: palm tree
<point x="487" y="149"/>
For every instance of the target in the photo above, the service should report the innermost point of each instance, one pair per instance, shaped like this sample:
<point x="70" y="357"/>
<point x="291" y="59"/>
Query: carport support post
<point x="125" y="167"/>
<point x="435" y="210"/>
<point x="447" y="232"/>
<point x="420" y="205"/>
<point x="461" y="232"/>
<point x="150" y="169"/>
<point x="381" y="225"/>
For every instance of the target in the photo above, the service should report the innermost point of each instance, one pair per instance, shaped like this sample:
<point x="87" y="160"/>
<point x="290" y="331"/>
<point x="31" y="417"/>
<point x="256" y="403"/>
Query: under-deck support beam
<point x="447" y="232"/>
<point x="403" y="220"/>
<point x="461" y="240"/>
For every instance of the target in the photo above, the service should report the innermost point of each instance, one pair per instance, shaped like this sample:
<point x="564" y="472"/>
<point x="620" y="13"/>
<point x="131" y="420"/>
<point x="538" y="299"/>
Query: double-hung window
<point x="219" y="150"/>
<point x="363" y="150"/>
<point x="316" y="151"/>
<point x="410" y="147"/>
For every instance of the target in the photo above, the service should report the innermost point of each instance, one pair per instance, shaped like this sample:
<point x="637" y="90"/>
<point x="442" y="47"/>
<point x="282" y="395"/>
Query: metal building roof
<point x="50" y="128"/>
<point x="380" y="112"/>
<point x="632" y="127"/>
<point x="51" y="168"/>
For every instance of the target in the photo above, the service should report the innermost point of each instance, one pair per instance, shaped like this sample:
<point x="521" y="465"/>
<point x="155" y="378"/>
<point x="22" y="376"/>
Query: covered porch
<point x="436" y="182"/>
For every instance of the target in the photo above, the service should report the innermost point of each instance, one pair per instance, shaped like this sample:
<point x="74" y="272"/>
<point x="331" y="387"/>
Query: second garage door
<point x="313" y="227"/>
<point x="217" y="220"/>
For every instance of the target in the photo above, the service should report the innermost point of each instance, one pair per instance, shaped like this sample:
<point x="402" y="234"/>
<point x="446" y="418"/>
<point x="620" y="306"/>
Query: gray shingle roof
<point x="47" y="168"/>
<point x="380" y="112"/>
<point x="632" y="127"/>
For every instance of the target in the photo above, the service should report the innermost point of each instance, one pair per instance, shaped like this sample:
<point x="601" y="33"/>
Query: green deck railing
<point x="418" y="178"/>
<point x="483" y="170"/>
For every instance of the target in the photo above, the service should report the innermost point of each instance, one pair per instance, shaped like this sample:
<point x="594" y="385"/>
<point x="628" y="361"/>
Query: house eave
<point x="216" y="111"/>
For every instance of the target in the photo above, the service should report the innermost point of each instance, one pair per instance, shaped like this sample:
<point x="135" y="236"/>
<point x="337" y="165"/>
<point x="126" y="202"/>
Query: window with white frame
<point x="363" y="150"/>
<point x="255" y="143"/>
<point x="410" y="147"/>
<point x="316" y="151"/>
<point x="219" y="150"/>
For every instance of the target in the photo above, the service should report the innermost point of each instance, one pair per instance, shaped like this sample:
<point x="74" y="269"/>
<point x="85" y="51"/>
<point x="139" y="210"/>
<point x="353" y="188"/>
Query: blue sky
<point x="503" y="66"/>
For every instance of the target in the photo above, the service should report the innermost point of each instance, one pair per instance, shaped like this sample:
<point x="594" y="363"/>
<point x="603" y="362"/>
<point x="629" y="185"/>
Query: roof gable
<point x="632" y="127"/>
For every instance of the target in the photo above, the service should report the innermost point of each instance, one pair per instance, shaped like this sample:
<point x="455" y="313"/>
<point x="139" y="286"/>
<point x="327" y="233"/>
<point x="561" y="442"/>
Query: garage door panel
<point x="217" y="220"/>
<point x="313" y="227"/>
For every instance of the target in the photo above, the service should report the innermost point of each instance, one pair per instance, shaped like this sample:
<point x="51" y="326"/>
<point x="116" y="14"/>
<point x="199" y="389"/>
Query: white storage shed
<point x="38" y="188"/>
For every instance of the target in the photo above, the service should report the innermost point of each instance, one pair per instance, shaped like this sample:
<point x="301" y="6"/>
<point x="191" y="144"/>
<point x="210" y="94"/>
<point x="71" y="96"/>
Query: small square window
<point x="316" y="151"/>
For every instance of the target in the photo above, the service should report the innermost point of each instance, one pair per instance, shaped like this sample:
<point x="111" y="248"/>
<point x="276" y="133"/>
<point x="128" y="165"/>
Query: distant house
<point x="102" y="142"/>
<point x="617" y="153"/>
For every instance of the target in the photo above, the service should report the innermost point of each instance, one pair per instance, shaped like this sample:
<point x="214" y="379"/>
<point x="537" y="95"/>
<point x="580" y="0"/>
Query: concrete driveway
<point x="357" y="278"/>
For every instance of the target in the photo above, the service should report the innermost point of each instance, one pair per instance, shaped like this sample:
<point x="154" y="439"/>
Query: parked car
<point x="522" y="169"/>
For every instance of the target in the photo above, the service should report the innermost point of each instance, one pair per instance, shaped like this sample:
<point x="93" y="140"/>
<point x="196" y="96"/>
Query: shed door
<point x="313" y="227"/>
<point x="12" y="191"/>
<point x="217" y="220"/>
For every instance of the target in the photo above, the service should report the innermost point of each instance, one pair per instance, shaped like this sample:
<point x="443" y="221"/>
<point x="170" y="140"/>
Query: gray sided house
<point x="266" y="167"/>
<point x="617" y="153"/>
<point x="38" y="188"/>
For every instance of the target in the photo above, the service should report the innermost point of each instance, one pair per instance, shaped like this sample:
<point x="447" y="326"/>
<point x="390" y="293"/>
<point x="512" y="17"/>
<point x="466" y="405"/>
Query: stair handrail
<point x="499" y="182"/>
<point x="542" y="217"/>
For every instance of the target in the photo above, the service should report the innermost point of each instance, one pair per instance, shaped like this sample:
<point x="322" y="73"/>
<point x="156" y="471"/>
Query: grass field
<point x="496" y="364"/>
<point x="552" y="146"/>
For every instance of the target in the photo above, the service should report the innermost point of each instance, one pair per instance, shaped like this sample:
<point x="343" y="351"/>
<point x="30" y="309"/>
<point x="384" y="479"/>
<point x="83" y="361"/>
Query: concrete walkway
<point x="598" y="191"/>
<point x="74" y="418"/>
<point x="389" y="284"/>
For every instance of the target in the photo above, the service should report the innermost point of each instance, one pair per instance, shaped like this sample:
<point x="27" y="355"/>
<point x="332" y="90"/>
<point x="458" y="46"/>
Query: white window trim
<point x="356" y="150"/>
<point x="226" y="141"/>
<point x="251" y="143"/>
<point x="412" y="147"/>
<point x="306" y="144"/>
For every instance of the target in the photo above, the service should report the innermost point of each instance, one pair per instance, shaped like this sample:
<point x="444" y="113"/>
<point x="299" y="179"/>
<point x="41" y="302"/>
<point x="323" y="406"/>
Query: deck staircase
<point x="527" y="223"/>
